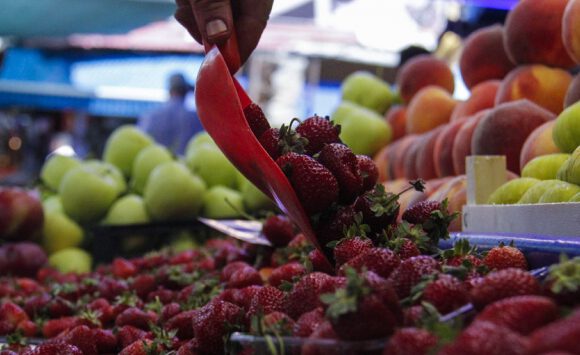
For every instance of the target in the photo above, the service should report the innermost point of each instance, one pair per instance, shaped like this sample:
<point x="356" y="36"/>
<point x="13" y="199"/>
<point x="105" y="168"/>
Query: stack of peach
<point x="519" y="79"/>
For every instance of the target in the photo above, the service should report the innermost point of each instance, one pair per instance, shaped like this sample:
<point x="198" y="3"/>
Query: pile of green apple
<point x="137" y="182"/>
<point x="365" y="99"/>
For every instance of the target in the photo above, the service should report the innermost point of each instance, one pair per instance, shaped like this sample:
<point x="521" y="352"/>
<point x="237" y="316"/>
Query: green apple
<point x="208" y="162"/>
<point x="570" y="170"/>
<point x="544" y="167"/>
<point x="52" y="204"/>
<point x="367" y="90"/>
<point x="182" y="241"/>
<point x="575" y="198"/>
<point x="561" y="192"/>
<point x="106" y="168"/>
<point x="222" y="202"/>
<point x="535" y="192"/>
<point x="129" y="209"/>
<point x="54" y="168"/>
<point x="254" y="199"/>
<point x="60" y="232"/>
<point x="123" y="145"/>
<point x="199" y="139"/>
<point x="363" y="130"/>
<point x="512" y="191"/>
<point x="566" y="132"/>
<point x="71" y="260"/>
<point x="87" y="191"/>
<point x="147" y="159"/>
<point x="172" y="192"/>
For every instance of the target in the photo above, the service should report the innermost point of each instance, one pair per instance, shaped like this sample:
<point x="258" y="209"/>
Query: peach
<point x="571" y="29"/>
<point x="424" y="163"/>
<point x="505" y="128"/>
<point x="484" y="57"/>
<point x="533" y="33"/>
<point x="573" y="93"/>
<point x="462" y="143"/>
<point x="482" y="97"/>
<point x="431" y="107"/>
<point x="382" y="162"/>
<point x="409" y="166"/>
<point x="538" y="83"/>
<point x="443" y="149"/>
<point x="398" y="156"/>
<point x="539" y="142"/>
<point x="455" y="191"/>
<point x="421" y="71"/>
<point x="397" y="118"/>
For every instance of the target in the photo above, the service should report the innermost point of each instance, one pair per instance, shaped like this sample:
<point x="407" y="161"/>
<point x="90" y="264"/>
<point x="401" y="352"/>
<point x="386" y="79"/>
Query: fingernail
<point x="215" y="27"/>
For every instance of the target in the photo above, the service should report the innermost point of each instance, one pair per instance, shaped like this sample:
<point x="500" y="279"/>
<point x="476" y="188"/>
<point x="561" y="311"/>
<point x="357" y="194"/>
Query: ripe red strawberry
<point x="136" y="317"/>
<point x="308" y="321"/>
<point x="270" y="141"/>
<point x="54" y="327"/>
<point x="182" y="324"/>
<point x="109" y="288"/>
<point x="319" y="262"/>
<point x="360" y="310"/>
<point x="128" y="335"/>
<point x="28" y="328"/>
<point x="318" y="131"/>
<point x="349" y="248"/>
<point x="502" y="284"/>
<point x="560" y="336"/>
<point x="278" y="230"/>
<point x="243" y="277"/>
<point x="433" y="217"/>
<point x="378" y="207"/>
<point x="505" y="256"/>
<point x="333" y="226"/>
<point x="60" y="307"/>
<point x="410" y="341"/>
<point x="81" y="337"/>
<point x="37" y="304"/>
<point x="210" y="328"/>
<point x="267" y="300"/>
<point x="405" y="248"/>
<point x="12" y="314"/>
<point x="462" y="251"/>
<point x="123" y="268"/>
<point x="54" y="349"/>
<point x="445" y="292"/>
<point x="305" y="295"/>
<point x="420" y="212"/>
<point x="314" y="184"/>
<point x="232" y="267"/>
<point x="256" y="119"/>
<point x="103" y="309"/>
<point x="169" y="310"/>
<point x="563" y="282"/>
<point x="487" y="338"/>
<point x="369" y="172"/>
<point x="189" y="348"/>
<point x="522" y="314"/>
<point x="143" y="284"/>
<point x="105" y="340"/>
<point x="286" y="272"/>
<point x="142" y="347"/>
<point x="381" y="261"/>
<point x="342" y="163"/>
<point x="410" y="271"/>
<point x="324" y="330"/>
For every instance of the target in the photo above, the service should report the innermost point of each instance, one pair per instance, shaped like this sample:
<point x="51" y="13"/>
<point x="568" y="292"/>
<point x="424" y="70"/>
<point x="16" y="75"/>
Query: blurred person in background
<point x="172" y="124"/>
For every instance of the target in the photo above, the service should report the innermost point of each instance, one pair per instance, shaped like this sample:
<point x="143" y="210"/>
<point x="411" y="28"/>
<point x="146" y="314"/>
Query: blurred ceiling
<point x="31" y="18"/>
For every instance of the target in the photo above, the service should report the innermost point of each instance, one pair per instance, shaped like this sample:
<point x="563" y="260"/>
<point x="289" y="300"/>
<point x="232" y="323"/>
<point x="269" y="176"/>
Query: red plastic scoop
<point x="220" y="101"/>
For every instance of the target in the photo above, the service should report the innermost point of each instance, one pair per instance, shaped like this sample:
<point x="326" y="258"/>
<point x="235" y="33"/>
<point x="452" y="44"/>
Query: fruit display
<point x="138" y="182"/>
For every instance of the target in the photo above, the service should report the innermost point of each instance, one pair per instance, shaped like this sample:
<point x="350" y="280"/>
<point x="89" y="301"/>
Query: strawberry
<point x="276" y="323"/>
<point x="502" y="284"/>
<point x="318" y="131"/>
<point x="349" y="248"/>
<point x="381" y="261"/>
<point x="314" y="184"/>
<point x="332" y="227"/>
<point x="37" y="304"/>
<point x="505" y="256"/>
<point x="103" y="308"/>
<point x="522" y="314"/>
<point x="410" y="271"/>
<point x="286" y="272"/>
<point x="143" y="284"/>
<point x="243" y="277"/>
<point x="60" y="307"/>
<point x="81" y="337"/>
<point x="12" y="314"/>
<point x="462" y="251"/>
<point x="189" y="348"/>
<point x="411" y="341"/>
<point x="213" y="323"/>
<point x="267" y="300"/>
<point x="123" y="268"/>
<point x="342" y="163"/>
<point x="420" y="212"/>
<point x="359" y="311"/>
<point x="128" y="335"/>
<point x="319" y="262"/>
<point x="278" y="230"/>
<point x="136" y="317"/>
<point x="405" y="248"/>
<point x="563" y="281"/>
<point x="54" y="349"/>
<point x="232" y="267"/>
<point x="307" y="322"/>
<point x="433" y="217"/>
<point x="28" y="328"/>
<point x="378" y="207"/>
<point x="182" y="324"/>
<point x="110" y="288"/>
<point x="278" y="142"/>
<point x="53" y="327"/>
<point x="256" y="119"/>
<point x="169" y="310"/>
<point x="445" y="292"/>
<point x="270" y="141"/>
<point x="142" y="347"/>
<point x="561" y="335"/>
<point x="487" y="338"/>
<point x="105" y="340"/>
<point x="305" y="295"/>
<point x="324" y="330"/>
<point x="368" y="171"/>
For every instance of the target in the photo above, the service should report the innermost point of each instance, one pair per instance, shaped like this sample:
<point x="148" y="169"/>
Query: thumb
<point x="214" y="19"/>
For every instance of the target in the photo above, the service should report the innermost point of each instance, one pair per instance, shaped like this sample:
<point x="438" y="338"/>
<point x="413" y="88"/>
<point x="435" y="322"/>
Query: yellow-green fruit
<point x="367" y="90"/>
<point x="544" y="167"/>
<point x="208" y="162"/>
<point x="52" y="204"/>
<point x="128" y="209"/>
<point x="512" y="191"/>
<point x="570" y="170"/>
<point x="199" y="139"/>
<point x="254" y="198"/>
<point x="54" y="169"/>
<point x="222" y="202"/>
<point x="123" y="145"/>
<point x="566" y="132"/>
<point x="561" y="192"/>
<point x="60" y="232"/>
<point x="147" y="159"/>
<point x="71" y="260"/>
<point x="575" y="198"/>
<point x="535" y="192"/>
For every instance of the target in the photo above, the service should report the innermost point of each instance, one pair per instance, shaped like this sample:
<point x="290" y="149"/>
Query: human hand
<point x="212" y="21"/>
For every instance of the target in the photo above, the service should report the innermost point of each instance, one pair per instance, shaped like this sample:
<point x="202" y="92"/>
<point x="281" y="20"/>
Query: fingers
<point x="252" y="17"/>
<point x="214" y="19"/>
<point x="184" y="15"/>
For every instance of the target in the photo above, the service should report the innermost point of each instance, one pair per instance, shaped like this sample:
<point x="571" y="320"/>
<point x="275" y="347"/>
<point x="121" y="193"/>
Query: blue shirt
<point x="171" y="125"/>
